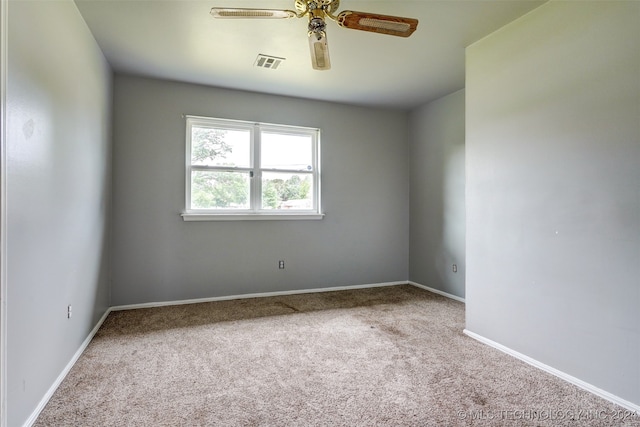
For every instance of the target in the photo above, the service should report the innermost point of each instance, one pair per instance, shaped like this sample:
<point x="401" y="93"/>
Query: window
<point x="243" y="170"/>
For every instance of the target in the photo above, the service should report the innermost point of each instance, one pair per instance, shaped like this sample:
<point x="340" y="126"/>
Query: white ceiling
<point x="179" y="40"/>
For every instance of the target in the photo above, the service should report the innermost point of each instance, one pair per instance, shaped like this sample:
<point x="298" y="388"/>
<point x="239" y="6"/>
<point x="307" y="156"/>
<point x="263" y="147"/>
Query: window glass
<point x="284" y="151"/>
<point x="220" y="147"/>
<point x="219" y="190"/>
<point x="287" y="191"/>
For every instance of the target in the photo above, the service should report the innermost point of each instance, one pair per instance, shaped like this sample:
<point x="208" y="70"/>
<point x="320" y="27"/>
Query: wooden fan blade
<point x="239" y="13"/>
<point x="383" y="24"/>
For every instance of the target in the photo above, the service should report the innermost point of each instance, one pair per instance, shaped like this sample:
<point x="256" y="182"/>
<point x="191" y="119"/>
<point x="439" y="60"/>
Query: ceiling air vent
<point x="266" y="61"/>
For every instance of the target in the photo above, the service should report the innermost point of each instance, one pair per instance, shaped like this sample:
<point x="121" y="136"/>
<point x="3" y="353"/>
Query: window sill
<point x="251" y="217"/>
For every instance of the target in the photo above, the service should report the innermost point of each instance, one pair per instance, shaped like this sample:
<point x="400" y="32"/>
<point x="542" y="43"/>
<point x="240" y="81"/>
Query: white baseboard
<point x="553" y="371"/>
<point x="254" y="295"/>
<point x="45" y="399"/>
<point x="436" y="291"/>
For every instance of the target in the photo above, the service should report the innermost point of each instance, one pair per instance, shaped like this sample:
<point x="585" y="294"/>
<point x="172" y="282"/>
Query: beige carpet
<point x="391" y="356"/>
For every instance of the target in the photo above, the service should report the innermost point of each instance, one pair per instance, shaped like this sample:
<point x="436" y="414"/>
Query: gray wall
<point x="157" y="257"/>
<point x="553" y="208"/>
<point x="58" y="179"/>
<point x="437" y="207"/>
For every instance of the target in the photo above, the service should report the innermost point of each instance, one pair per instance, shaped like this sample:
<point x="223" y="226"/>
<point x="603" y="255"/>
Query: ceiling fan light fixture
<point x="319" y="51"/>
<point x="317" y="11"/>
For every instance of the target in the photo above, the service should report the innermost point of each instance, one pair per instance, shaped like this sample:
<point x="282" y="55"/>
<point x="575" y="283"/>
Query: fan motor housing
<point x="303" y="6"/>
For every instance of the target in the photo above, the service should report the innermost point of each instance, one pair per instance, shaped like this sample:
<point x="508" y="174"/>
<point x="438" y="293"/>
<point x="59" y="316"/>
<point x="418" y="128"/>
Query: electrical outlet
<point x="455" y="268"/>
<point x="281" y="265"/>
<point x="69" y="312"/>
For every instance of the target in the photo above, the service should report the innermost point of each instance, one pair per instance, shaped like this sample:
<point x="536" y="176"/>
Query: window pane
<point x="287" y="191"/>
<point x="281" y="151"/>
<point x="220" y="147"/>
<point x="219" y="190"/>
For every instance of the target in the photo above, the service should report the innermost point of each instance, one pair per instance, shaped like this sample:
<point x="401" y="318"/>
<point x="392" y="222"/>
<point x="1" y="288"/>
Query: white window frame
<point x="254" y="212"/>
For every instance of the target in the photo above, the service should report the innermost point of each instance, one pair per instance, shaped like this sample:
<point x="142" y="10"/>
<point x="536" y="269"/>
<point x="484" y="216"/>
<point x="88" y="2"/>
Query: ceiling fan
<point x="317" y="11"/>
